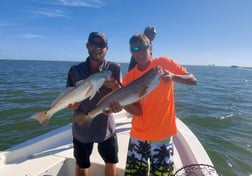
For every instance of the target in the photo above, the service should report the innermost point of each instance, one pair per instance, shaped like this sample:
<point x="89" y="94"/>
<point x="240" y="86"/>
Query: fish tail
<point x="43" y="117"/>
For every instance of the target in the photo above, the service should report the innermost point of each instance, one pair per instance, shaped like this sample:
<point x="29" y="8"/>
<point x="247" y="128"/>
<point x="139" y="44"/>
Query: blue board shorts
<point x="108" y="150"/>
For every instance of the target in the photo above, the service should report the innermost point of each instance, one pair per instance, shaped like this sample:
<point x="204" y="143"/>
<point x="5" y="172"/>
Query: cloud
<point x="83" y="3"/>
<point x="51" y="13"/>
<point x="31" y="36"/>
<point x="63" y="13"/>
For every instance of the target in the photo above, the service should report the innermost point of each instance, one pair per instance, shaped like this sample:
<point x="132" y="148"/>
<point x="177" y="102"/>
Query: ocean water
<point x="218" y="109"/>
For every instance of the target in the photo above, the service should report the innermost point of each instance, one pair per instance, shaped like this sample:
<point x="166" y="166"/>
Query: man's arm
<point x="187" y="78"/>
<point x="134" y="108"/>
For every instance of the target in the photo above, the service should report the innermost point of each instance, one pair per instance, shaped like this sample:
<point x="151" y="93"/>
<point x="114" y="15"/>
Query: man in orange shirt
<point x="153" y="123"/>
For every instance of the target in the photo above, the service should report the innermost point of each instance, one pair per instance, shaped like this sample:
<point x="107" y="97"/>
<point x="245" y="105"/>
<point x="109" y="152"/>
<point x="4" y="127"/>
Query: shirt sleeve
<point x="171" y="65"/>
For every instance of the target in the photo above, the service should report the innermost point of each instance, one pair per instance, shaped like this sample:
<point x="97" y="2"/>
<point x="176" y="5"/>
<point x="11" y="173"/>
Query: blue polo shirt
<point x="102" y="127"/>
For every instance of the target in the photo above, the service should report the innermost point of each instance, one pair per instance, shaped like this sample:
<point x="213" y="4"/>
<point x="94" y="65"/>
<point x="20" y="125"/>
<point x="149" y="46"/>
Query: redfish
<point x="83" y="90"/>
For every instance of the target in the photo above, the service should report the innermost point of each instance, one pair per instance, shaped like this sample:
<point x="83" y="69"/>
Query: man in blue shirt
<point x="102" y="128"/>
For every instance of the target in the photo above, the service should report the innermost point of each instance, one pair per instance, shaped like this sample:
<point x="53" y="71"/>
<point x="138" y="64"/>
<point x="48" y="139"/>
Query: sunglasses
<point x="139" y="48"/>
<point x="97" y="45"/>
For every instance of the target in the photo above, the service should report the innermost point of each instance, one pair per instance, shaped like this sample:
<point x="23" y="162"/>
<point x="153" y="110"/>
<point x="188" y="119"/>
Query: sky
<point x="193" y="32"/>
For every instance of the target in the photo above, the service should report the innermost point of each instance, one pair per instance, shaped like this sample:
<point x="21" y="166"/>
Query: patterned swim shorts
<point x="153" y="157"/>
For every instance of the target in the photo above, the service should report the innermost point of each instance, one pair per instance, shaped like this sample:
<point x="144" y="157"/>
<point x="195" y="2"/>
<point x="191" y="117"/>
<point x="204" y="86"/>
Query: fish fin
<point x="78" y="82"/>
<point x="104" y="97"/>
<point x="92" y="92"/>
<point x="94" y="89"/>
<point x="67" y="90"/>
<point x="43" y="117"/>
<point x="82" y="120"/>
<point x="143" y="92"/>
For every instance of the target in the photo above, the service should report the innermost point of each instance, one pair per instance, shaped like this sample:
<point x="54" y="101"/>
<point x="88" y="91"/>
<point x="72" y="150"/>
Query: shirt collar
<point x="102" y="67"/>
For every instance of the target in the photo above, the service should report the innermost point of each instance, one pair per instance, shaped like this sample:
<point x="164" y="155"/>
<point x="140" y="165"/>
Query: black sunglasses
<point x="97" y="45"/>
<point x="139" y="48"/>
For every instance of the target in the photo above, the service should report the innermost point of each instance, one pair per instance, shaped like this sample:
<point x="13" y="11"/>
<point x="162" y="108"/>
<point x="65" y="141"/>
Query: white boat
<point x="51" y="154"/>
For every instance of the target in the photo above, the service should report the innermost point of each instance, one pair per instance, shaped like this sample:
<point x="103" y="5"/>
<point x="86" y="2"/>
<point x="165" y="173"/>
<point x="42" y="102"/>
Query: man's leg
<point x="110" y="169"/>
<point x="82" y="152"/>
<point x="109" y="152"/>
<point x="80" y="171"/>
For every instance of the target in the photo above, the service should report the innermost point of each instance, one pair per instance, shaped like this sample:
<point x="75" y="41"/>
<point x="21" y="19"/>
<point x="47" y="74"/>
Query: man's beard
<point x="97" y="57"/>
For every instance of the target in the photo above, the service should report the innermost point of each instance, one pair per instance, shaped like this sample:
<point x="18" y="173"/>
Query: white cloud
<point x="31" y="36"/>
<point x="51" y="13"/>
<point x="62" y="13"/>
<point x="83" y="3"/>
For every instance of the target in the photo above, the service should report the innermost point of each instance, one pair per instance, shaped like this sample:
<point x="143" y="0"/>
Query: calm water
<point x="218" y="110"/>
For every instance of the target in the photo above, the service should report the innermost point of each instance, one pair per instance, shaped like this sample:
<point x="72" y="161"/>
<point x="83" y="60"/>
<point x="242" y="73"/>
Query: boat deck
<point x="52" y="154"/>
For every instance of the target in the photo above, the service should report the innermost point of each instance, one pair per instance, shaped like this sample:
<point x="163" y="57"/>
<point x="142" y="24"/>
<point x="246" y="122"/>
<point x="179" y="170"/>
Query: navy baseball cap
<point x="98" y="34"/>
